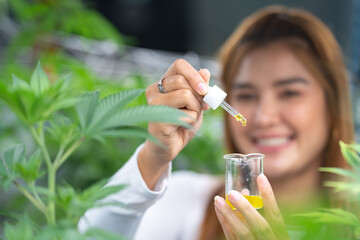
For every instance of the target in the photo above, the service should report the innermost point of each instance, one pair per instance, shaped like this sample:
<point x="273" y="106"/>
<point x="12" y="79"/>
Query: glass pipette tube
<point x="233" y="112"/>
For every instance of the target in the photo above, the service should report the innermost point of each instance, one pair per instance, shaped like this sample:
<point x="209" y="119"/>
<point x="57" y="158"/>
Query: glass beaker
<point x="241" y="175"/>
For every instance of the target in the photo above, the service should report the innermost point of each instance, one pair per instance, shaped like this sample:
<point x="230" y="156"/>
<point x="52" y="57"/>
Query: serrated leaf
<point x="12" y="101"/>
<point x="350" y="156"/>
<point x="142" y="114"/>
<point x="62" y="129"/>
<point x="340" y="171"/>
<point x="75" y="204"/>
<point x="111" y="104"/>
<point x="62" y="84"/>
<point x="99" y="190"/>
<point x="19" y="83"/>
<point x="128" y="132"/>
<point x="356" y="147"/>
<point x="333" y="216"/>
<point x="349" y="187"/>
<point x="23" y="230"/>
<point x="102" y="193"/>
<point x="6" y="181"/>
<point x="29" y="169"/>
<point x="39" y="82"/>
<point x="14" y="154"/>
<point x="86" y="107"/>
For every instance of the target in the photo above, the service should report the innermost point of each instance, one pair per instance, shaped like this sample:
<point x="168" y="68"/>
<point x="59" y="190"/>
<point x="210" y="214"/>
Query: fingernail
<point x="202" y="88"/>
<point x="263" y="180"/>
<point x="234" y="195"/>
<point x="219" y="202"/>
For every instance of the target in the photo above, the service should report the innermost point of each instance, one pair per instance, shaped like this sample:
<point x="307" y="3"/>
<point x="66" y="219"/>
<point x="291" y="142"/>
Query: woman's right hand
<point x="185" y="90"/>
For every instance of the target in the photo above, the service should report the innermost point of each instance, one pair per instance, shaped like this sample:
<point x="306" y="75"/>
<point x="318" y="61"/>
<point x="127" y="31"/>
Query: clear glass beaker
<point x="241" y="175"/>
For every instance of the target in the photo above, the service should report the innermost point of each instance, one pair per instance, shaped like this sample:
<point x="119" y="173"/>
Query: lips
<point x="272" y="144"/>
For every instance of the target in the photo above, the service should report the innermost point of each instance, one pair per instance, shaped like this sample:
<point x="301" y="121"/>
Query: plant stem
<point x="51" y="186"/>
<point x="37" y="197"/>
<point x="40" y="139"/>
<point x="38" y="204"/>
<point x="41" y="143"/>
<point x="59" y="161"/>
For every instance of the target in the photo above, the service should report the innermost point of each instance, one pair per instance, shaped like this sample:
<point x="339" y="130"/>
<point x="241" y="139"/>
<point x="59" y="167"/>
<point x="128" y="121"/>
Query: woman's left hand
<point x="250" y="224"/>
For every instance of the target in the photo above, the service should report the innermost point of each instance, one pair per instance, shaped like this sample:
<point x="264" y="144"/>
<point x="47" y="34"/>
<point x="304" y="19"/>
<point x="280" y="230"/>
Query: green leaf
<point x="62" y="129"/>
<point x="65" y="229"/>
<point x="86" y="107"/>
<point x="5" y="177"/>
<point x="349" y="187"/>
<point x="19" y="84"/>
<point x="141" y="114"/>
<point x="75" y="204"/>
<point x="23" y="230"/>
<point x="12" y="101"/>
<point x="99" y="191"/>
<point x="356" y="147"/>
<point x="29" y="170"/>
<point x="130" y="131"/>
<point x="333" y="216"/>
<point x="340" y="171"/>
<point x="350" y="156"/>
<point x="39" y="81"/>
<point x="101" y="234"/>
<point x="14" y="154"/>
<point x="111" y="104"/>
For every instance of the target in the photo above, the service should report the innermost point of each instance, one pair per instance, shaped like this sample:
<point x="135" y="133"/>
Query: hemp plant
<point x="47" y="110"/>
<point x="349" y="189"/>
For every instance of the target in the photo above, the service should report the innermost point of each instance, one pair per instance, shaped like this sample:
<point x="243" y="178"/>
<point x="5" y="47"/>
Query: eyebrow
<point x="282" y="82"/>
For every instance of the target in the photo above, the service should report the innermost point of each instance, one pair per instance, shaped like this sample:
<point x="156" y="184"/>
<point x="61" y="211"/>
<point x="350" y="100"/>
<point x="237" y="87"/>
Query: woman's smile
<point x="272" y="144"/>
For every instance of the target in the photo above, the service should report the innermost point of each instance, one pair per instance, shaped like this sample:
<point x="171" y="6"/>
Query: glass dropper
<point x="233" y="112"/>
<point x="215" y="97"/>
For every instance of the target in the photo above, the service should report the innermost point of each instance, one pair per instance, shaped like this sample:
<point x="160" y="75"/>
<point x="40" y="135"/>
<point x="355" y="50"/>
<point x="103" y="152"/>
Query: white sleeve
<point x="136" y="198"/>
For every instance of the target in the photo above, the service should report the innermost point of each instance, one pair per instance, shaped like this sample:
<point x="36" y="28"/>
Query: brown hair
<point x="316" y="47"/>
<point x="314" y="44"/>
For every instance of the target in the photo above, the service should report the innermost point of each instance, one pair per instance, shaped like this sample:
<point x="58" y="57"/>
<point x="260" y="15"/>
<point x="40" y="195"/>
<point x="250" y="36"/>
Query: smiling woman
<point x="283" y="70"/>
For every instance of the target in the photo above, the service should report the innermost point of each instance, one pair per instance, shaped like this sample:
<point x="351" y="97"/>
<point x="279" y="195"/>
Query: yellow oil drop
<point x="241" y="119"/>
<point x="255" y="201"/>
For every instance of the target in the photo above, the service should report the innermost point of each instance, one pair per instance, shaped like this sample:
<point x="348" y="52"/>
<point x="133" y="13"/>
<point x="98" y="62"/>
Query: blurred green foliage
<point x="40" y="105"/>
<point x="339" y="223"/>
<point x="42" y="26"/>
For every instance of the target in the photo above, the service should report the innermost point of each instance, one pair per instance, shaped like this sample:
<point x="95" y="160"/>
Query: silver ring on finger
<point x="161" y="86"/>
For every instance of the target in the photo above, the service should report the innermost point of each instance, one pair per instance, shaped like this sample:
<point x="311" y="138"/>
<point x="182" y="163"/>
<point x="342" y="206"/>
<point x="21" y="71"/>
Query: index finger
<point x="182" y="67"/>
<point x="271" y="209"/>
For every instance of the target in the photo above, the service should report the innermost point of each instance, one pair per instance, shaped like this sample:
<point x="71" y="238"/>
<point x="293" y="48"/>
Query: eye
<point x="290" y="94"/>
<point x="245" y="97"/>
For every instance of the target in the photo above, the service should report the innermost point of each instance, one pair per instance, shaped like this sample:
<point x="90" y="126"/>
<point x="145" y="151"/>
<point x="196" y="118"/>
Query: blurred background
<point x="119" y="44"/>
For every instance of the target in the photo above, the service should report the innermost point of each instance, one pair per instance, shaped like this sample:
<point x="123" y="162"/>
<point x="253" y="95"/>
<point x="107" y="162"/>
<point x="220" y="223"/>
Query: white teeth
<point x="271" y="142"/>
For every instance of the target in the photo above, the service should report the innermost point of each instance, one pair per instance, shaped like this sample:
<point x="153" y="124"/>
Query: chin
<point x="275" y="168"/>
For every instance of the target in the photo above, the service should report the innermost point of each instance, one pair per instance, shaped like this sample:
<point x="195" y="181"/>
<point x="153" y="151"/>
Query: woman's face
<point x="285" y="110"/>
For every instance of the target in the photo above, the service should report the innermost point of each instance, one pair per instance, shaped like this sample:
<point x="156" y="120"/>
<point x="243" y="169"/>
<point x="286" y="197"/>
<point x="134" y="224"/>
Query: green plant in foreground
<point x="349" y="189"/>
<point x="44" y="108"/>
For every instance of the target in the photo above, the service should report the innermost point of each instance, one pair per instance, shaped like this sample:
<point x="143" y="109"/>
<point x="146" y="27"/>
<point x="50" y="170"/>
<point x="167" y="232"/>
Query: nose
<point x="267" y="113"/>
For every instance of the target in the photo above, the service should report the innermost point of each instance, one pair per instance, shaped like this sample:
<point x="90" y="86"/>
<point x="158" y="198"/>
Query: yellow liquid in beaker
<point x="255" y="201"/>
<point x="241" y="119"/>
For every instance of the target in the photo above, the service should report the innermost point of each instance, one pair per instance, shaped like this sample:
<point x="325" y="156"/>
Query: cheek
<point x="311" y="125"/>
